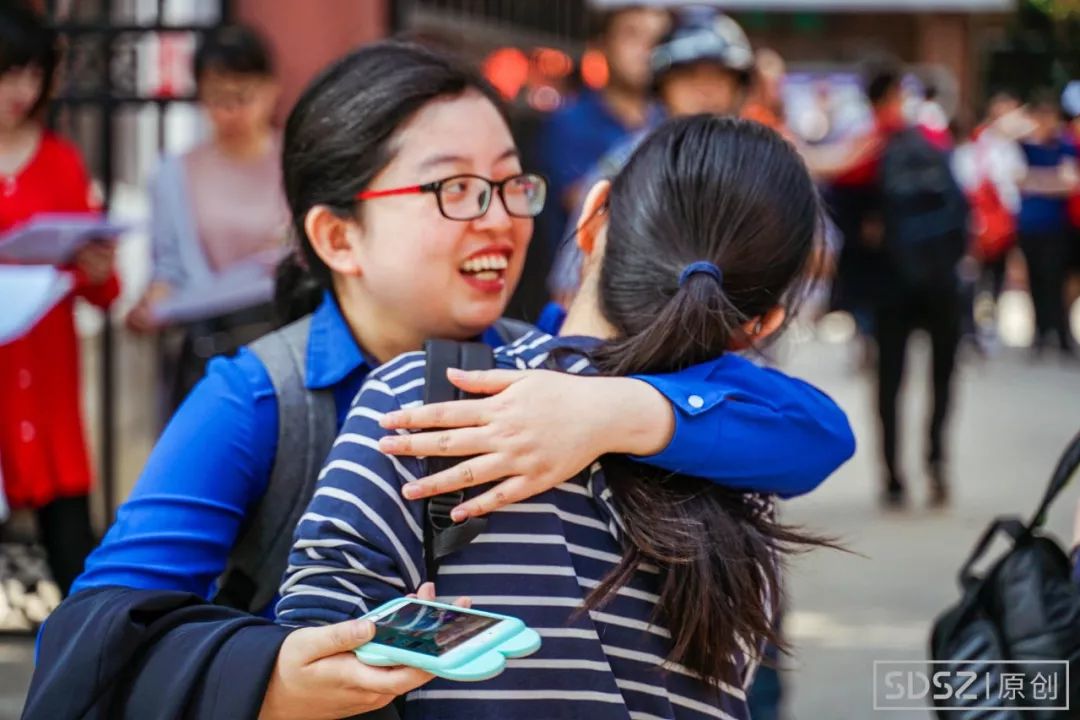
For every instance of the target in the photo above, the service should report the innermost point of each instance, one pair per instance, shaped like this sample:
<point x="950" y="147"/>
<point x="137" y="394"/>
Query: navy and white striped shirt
<point x="360" y="544"/>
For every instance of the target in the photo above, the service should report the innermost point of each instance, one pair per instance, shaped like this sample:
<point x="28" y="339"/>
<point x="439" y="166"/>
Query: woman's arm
<point x="728" y="421"/>
<point x="359" y="544"/>
<point x="176" y="530"/>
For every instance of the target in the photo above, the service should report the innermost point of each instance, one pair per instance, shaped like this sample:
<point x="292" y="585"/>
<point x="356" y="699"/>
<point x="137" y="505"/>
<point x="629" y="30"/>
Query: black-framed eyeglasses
<point x="468" y="197"/>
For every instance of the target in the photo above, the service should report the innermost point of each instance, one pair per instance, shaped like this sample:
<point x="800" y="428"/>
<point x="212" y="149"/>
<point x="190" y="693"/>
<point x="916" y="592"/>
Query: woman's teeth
<point x="485" y="267"/>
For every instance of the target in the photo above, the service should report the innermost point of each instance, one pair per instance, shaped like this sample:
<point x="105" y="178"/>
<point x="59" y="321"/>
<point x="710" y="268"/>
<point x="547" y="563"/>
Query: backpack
<point x="307" y="428"/>
<point x="925" y="212"/>
<point x="993" y="227"/>
<point x="1024" y="610"/>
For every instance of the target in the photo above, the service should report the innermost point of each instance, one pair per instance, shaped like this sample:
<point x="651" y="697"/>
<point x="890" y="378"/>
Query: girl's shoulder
<point x="518" y="354"/>
<point x="401" y="378"/>
<point x="538" y="349"/>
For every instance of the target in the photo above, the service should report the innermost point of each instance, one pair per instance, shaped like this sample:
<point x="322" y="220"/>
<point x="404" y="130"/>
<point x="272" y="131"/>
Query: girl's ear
<point x="758" y="329"/>
<point x="590" y="224"/>
<point x="334" y="239"/>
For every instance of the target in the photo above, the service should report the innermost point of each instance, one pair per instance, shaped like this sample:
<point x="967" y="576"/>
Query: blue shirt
<point x="571" y="142"/>
<point x="565" y="274"/>
<point x="735" y="423"/>
<point x="1044" y="213"/>
<point x="359" y="545"/>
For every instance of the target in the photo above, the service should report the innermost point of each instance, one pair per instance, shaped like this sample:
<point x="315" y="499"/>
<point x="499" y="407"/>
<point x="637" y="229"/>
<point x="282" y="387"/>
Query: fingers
<point x="484" y="382"/>
<point x="391" y="681"/>
<point x="456" y="414"/>
<point x="427" y="592"/>
<point x="457" y="442"/>
<point x="507" y="492"/>
<point x="315" y="643"/>
<point x="476" y="471"/>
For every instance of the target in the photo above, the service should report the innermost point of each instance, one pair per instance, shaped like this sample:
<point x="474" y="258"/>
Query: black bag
<point x="925" y="211"/>
<point x="1025" y="608"/>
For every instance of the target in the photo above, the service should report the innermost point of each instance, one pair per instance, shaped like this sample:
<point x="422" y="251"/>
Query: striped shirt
<point x="360" y="544"/>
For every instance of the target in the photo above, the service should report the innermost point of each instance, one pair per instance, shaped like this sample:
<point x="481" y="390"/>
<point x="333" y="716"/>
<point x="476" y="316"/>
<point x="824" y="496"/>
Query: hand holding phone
<point x="449" y="642"/>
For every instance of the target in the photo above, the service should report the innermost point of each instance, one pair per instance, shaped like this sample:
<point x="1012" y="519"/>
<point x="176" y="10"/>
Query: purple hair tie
<point x="701" y="266"/>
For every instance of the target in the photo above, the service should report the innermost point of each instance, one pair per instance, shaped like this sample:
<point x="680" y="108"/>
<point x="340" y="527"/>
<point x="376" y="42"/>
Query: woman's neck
<point x="377" y="332"/>
<point x="17" y="146"/>
<point x="584" y="318"/>
<point x="247" y="147"/>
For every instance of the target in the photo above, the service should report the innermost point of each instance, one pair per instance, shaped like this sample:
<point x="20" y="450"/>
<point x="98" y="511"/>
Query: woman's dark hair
<point x="233" y="49"/>
<point x="734" y="194"/>
<point x="340" y="135"/>
<point x="25" y="41"/>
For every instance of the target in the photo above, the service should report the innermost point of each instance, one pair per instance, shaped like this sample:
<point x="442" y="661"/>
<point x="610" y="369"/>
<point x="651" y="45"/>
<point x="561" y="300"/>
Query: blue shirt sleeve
<point x="176" y="530"/>
<point x="359" y="544"/>
<point x="751" y="428"/>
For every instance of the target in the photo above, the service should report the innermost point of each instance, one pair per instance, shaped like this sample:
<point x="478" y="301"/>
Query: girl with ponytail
<point x="654" y="592"/>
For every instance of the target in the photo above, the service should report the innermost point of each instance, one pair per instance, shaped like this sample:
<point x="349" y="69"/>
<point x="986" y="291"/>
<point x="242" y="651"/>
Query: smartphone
<point x="447" y="641"/>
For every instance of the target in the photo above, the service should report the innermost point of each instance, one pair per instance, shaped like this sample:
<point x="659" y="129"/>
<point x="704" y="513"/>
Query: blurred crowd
<point x="931" y="214"/>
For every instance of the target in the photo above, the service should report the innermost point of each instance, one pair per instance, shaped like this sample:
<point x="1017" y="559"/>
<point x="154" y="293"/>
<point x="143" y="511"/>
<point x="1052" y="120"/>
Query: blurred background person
<point x="219" y="205"/>
<point x="45" y="465"/>
<point x="703" y="65"/>
<point x="932" y="118"/>
<point x="1050" y="178"/>
<point x="895" y="274"/>
<point x="765" y="98"/>
<point x="1071" y="103"/>
<point x="575" y="137"/>
<point x="854" y="199"/>
<point x="987" y="163"/>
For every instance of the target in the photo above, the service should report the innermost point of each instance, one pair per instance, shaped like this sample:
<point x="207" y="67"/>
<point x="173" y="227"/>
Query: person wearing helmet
<point x="703" y="65"/>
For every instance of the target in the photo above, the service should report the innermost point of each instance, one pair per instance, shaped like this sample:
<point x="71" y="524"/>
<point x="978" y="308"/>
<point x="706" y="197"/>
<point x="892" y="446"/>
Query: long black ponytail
<point x="733" y="202"/>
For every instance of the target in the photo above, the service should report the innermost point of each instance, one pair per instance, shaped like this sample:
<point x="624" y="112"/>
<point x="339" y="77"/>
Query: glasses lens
<point x="464" y="198"/>
<point x="525" y="195"/>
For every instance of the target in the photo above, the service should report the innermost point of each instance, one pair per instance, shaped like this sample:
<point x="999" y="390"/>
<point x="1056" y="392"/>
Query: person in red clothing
<point x="43" y="451"/>
<point x="1072" y="287"/>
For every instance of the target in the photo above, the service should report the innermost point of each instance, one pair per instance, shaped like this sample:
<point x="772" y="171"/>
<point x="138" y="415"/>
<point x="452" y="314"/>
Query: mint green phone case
<point x="479" y="658"/>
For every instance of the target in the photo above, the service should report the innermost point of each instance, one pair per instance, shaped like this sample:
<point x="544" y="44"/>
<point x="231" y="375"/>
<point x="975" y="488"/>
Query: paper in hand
<point x="29" y="293"/>
<point x="240" y="287"/>
<point x="54" y="238"/>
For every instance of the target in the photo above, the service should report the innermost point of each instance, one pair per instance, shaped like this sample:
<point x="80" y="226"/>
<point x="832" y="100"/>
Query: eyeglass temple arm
<point x="411" y="190"/>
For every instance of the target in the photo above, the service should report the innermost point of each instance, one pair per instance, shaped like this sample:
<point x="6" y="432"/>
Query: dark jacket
<point x="115" y="653"/>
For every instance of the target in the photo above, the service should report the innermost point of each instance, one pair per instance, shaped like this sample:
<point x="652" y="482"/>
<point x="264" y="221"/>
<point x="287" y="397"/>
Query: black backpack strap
<point x="1066" y="468"/>
<point x="442" y="535"/>
<point x="307" y="427"/>
<point x="509" y="329"/>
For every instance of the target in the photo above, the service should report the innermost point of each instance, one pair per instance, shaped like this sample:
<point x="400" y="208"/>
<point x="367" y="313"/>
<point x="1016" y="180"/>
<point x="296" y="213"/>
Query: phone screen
<point x="429" y="630"/>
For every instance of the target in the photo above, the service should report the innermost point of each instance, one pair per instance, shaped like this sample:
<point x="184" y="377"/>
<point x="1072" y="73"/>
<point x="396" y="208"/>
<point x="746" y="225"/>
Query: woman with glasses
<point x="219" y="206"/>
<point x="413" y="215"/>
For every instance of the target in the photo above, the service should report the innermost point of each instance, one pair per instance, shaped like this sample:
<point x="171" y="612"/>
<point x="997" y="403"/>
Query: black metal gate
<point x="111" y="72"/>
